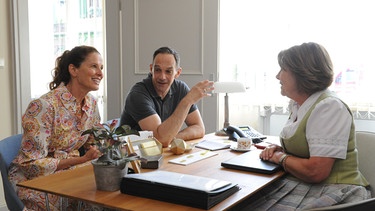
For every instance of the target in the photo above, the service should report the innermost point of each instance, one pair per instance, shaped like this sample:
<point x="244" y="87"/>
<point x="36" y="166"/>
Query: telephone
<point x="235" y="132"/>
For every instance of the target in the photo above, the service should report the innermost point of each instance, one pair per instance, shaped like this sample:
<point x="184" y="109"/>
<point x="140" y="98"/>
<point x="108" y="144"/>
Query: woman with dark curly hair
<point x="54" y="122"/>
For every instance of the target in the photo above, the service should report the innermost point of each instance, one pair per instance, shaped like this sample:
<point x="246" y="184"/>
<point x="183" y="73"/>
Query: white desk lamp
<point x="227" y="87"/>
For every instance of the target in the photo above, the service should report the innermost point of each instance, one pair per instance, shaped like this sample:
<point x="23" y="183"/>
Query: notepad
<point x="192" y="158"/>
<point x="214" y="144"/>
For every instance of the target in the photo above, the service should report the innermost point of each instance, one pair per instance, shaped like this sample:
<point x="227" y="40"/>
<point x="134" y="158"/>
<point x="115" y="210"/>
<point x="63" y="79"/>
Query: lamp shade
<point x="228" y="87"/>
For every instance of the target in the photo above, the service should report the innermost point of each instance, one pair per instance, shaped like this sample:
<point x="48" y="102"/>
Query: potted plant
<point x="111" y="166"/>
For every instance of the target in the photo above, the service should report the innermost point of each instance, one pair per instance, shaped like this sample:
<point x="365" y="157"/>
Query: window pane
<point x="253" y="32"/>
<point x="62" y="25"/>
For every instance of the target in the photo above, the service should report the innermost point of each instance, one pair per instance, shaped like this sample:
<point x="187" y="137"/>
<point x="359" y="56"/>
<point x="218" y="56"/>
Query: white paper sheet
<point x="192" y="158"/>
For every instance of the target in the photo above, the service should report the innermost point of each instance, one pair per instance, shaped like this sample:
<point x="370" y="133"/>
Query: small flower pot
<point x="108" y="177"/>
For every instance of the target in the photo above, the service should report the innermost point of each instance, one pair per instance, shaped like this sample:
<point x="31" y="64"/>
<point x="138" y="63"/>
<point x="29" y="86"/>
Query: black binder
<point x="190" y="190"/>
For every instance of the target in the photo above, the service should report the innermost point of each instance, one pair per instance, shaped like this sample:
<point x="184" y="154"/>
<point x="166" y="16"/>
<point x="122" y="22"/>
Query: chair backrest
<point x="366" y="156"/>
<point x="9" y="148"/>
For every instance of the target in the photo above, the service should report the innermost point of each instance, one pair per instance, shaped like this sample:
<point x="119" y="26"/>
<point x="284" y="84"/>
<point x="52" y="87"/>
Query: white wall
<point x="6" y="105"/>
<point x="6" y="85"/>
<point x="364" y="125"/>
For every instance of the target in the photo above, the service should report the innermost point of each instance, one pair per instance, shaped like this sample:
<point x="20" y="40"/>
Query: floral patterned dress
<point x="52" y="128"/>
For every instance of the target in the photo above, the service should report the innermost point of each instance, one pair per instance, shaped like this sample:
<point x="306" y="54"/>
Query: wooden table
<point x="79" y="183"/>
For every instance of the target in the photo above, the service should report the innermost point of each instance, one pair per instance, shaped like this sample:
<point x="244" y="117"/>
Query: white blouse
<point x="327" y="129"/>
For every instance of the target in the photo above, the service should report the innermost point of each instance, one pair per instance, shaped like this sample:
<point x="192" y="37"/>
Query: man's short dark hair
<point x="168" y="50"/>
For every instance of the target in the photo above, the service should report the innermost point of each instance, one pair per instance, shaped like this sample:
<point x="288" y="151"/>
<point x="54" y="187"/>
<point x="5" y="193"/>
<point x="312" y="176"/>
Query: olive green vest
<point x="343" y="171"/>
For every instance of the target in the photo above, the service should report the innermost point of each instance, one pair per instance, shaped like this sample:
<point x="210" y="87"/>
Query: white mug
<point x="244" y="143"/>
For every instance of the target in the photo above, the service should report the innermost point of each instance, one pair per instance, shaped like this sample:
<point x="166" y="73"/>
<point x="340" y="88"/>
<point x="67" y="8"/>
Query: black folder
<point x="250" y="161"/>
<point x="190" y="190"/>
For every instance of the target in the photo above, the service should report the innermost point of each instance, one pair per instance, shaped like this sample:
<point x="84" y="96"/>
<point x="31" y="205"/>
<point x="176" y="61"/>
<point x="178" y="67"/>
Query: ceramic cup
<point x="244" y="143"/>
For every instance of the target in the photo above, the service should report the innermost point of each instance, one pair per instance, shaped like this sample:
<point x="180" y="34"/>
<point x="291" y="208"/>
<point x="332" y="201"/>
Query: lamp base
<point x="221" y="133"/>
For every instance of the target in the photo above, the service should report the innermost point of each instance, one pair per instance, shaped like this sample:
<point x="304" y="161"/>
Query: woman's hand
<point x="311" y="170"/>
<point x="92" y="153"/>
<point x="272" y="153"/>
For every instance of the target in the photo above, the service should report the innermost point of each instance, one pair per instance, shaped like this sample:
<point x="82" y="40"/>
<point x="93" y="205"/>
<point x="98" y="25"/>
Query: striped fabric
<point x="291" y="194"/>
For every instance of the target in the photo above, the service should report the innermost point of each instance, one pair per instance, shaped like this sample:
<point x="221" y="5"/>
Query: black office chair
<point x="8" y="150"/>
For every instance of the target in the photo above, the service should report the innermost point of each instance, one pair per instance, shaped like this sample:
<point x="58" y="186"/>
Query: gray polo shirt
<point x="142" y="101"/>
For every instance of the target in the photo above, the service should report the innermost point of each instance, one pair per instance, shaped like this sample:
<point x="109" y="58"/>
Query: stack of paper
<point x="214" y="144"/>
<point x="192" y="158"/>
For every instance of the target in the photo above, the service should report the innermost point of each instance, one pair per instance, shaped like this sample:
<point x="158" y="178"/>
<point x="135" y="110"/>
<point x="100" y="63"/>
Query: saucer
<point x="239" y="150"/>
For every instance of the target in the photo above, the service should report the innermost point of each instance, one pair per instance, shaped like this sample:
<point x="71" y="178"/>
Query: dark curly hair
<point x="75" y="56"/>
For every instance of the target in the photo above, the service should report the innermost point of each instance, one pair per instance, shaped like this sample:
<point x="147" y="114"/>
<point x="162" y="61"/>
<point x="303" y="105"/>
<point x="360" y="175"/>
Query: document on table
<point x="192" y="158"/>
<point x="214" y="144"/>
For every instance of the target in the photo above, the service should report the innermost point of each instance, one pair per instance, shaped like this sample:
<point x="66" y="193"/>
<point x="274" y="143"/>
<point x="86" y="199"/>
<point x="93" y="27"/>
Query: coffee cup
<point x="244" y="143"/>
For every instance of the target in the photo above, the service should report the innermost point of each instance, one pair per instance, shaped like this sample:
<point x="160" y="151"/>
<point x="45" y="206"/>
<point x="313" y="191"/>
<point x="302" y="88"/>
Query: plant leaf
<point x="126" y="130"/>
